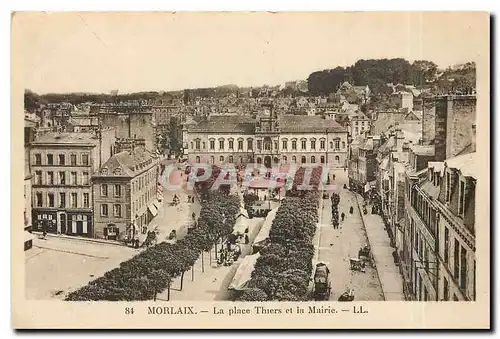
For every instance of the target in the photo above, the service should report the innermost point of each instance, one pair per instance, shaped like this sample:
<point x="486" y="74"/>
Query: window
<point x="39" y="199"/>
<point x="337" y="144"/>
<point x="62" y="200"/>
<point x="62" y="159"/>
<point x="85" y="159"/>
<point x="337" y="159"/>
<point x="303" y="144"/>
<point x="117" y="210"/>
<point x="62" y="178"/>
<point x="446" y="290"/>
<point x="86" y="200"/>
<point x="240" y="145"/>
<point x="198" y="159"/>
<point x="294" y="144"/>
<point x="322" y="144"/>
<point x="221" y="144"/>
<point x="50" y="159"/>
<point x="50" y="178"/>
<point x="85" y="178"/>
<point x="275" y="145"/>
<point x="118" y="190"/>
<point x="250" y="144"/>
<point x="322" y="159"/>
<point x="38" y="159"/>
<point x="192" y="145"/>
<point x="197" y="143"/>
<point x="456" y="260"/>
<point x="230" y="159"/>
<point x="51" y="199"/>
<point x="38" y="177"/>
<point x="212" y="144"/>
<point x="461" y="198"/>
<point x="284" y="144"/>
<point x="72" y="159"/>
<point x="74" y="200"/>
<point x="343" y="144"/>
<point x="303" y="159"/>
<point x="294" y="159"/>
<point x="313" y="144"/>
<point x="331" y="144"/>
<point x="231" y="144"/>
<point x="259" y="144"/>
<point x="446" y="244"/>
<point x="313" y="159"/>
<point x="212" y="159"/>
<point x="285" y="159"/>
<point x="104" y="190"/>
<point x="104" y="210"/>
<point x="204" y="145"/>
<point x="463" y="268"/>
<point x="448" y="186"/>
<point x="73" y="178"/>
<point x="221" y="158"/>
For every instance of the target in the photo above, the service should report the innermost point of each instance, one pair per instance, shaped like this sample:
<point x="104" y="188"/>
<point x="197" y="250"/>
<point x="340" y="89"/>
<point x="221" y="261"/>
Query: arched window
<point x="331" y="144"/>
<point x="303" y="142"/>
<point x="212" y="144"/>
<point x="322" y="159"/>
<point x="212" y="159"/>
<point x="250" y="144"/>
<point x="197" y="159"/>
<point x="313" y="159"/>
<point x="322" y="143"/>
<point x="230" y="159"/>
<point x="221" y="143"/>
<point x="343" y="144"/>
<point x="240" y="144"/>
<point x="303" y="159"/>
<point x="337" y="159"/>
<point x="192" y="145"/>
<point x="231" y="143"/>
<point x="285" y="159"/>
<point x="197" y="143"/>
<point x="221" y="158"/>
<point x="276" y="160"/>
<point x="241" y="160"/>
<point x="294" y="159"/>
<point x="313" y="143"/>
<point x="259" y="160"/>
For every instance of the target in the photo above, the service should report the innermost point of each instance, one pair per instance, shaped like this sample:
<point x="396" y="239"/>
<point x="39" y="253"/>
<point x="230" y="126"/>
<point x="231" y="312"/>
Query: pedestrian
<point x="342" y="215"/>
<point x="351" y="210"/>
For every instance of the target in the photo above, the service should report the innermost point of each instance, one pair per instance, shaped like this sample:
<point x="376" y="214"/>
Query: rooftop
<point x="126" y="163"/>
<point x="423" y="150"/>
<point x="70" y="138"/>
<point x="308" y="123"/>
<point x="466" y="164"/>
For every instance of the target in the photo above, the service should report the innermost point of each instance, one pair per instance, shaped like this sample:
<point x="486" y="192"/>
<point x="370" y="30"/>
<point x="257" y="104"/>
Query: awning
<point x="152" y="208"/>
<point x="261" y="238"/>
<point x="157" y="204"/>
<point x="244" y="272"/>
<point x="28" y="236"/>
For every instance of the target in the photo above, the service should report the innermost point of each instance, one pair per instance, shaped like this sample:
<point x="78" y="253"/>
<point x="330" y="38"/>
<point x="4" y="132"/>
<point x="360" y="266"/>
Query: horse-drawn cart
<point x="322" y="284"/>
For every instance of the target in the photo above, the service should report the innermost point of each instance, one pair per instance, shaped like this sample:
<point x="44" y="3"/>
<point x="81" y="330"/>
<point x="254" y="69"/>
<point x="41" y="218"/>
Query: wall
<point x="428" y="120"/>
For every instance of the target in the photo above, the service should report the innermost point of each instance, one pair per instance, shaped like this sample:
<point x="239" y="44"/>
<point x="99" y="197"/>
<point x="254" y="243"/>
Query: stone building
<point x="125" y="194"/>
<point x="62" y="165"/>
<point x="268" y="140"/>
<point x="438" y="250"/>
<point x="362" y="163"/>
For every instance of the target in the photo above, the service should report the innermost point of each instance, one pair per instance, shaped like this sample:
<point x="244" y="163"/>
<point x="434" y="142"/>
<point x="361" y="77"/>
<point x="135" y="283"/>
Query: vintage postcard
<point x="319" y="170"/>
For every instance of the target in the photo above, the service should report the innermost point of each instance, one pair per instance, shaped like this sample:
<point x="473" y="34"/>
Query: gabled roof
<point x="129" y="163"/>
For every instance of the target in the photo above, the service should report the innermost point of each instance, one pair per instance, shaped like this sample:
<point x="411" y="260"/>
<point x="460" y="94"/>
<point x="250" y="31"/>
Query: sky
<point x="131" y="52"/>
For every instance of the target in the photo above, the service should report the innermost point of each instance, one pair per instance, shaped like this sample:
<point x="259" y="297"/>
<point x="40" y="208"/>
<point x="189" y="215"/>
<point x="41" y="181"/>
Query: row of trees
<point x="152" y="271"/>
<point x="376" y="73"/>
<point x="284" y="268"/>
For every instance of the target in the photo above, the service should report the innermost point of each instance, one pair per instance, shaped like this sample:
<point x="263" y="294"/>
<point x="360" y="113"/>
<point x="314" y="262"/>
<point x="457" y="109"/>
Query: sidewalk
<point x="390" y="277"/>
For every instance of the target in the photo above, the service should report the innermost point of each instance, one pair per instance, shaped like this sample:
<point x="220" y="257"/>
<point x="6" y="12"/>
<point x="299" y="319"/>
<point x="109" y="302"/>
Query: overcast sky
<point x="137" y="52"/>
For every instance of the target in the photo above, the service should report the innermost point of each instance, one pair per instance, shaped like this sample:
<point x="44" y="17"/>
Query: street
<point x="336" y="246"/>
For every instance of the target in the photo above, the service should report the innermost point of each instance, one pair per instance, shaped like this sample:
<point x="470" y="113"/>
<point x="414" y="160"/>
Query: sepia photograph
<point x="325" y="160"/>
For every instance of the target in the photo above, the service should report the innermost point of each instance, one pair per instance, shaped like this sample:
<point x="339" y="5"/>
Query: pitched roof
<point x="224" y="124"/>
<point x="308" y="124"/>
<point x="466" y="164"/>
<point x="128" y="162"/>
<point x="70" y="138"/>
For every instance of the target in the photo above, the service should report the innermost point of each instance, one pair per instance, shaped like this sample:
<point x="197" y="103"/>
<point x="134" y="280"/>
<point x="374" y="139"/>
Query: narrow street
<point x="336" y="246"/>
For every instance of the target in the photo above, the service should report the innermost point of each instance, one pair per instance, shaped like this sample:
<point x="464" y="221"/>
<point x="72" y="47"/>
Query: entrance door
<point x="267" y="161"/>
<point x="79" y="227"/>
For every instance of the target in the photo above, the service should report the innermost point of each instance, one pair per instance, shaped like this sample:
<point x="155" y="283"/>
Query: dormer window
<point x="104" y="171"/>
<point x="118" y="171"/>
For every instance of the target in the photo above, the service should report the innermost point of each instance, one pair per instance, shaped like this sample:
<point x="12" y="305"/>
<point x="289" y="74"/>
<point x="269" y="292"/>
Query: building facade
<point x="125" y="197"/>
<point x="62" y="165"/>
<point x="268" y="140"/>
<point x="438" y="253"/>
